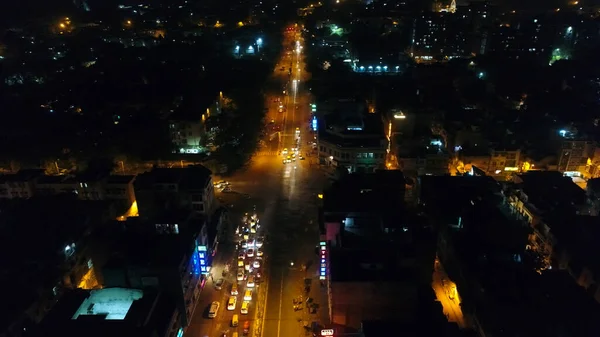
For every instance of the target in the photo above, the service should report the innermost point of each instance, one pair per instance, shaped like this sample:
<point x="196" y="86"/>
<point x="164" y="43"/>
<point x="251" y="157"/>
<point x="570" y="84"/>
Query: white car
<point x="231" y="303"/>
<point x="250" y="252"/>
<point x="259" y="253"/>
<point x="256" y="264"/>
<point x="259" y="242"/>
<point x="240" y="275"/>
<point x="244" y="244"/>
<point x="250" y="282"/>
<point x="241" y="255"/>
<point x="219" y="284"/>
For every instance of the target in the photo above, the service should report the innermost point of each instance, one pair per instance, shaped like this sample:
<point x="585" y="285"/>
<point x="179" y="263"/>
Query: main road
<point x="285" y="196"/>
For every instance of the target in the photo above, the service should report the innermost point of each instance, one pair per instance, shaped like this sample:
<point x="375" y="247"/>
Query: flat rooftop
<point x="548" y="190"/>
<point x="110" y="303"/>
<point x="365" y="192"/>
<point x="189" y="178"/>
<point x="109" y="312"/>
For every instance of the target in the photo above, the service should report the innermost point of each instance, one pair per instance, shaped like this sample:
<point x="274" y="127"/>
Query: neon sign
<point x="202" y="259"/>
<point x="323" y="267"/>
<point x="327" y="332"/>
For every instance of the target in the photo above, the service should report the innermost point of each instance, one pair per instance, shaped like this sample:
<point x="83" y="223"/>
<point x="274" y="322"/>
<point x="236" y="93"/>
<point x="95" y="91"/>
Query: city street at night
<point x="285" y="196"/>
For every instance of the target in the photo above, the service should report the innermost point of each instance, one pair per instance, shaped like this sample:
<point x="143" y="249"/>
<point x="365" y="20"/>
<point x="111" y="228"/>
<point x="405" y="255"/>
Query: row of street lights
<point x="250" y="49"/>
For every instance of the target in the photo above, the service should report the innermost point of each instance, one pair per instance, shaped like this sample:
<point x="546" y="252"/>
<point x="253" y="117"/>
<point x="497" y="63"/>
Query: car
<point x="244" y="244"/>
<point x="248" y="295"/>
<point x="247" y="266"/>
<point x="259" y="242"/>
<point x="241" y="256"/>
<point x="219" y="284"/>
<point x="240" y="263"/>
<point x="246" y="236"/>
<point x="251" y="252"/>
<point x="245" y="306"/>
<point x="253" y="230"/>
<point x="234" y="289"/>
<point x="226" y="189"/>
<point x="240" y="275"/>
<point x="231" y="303"/>
<point x="259" y="252"/>
<point x="213" y="309"/>
<point x="256" y="264"/>
<point x="250" y="282"/>
<point x="285" y="151"/>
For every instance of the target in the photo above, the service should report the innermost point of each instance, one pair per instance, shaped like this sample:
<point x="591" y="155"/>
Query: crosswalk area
<point x="265" y="153"/>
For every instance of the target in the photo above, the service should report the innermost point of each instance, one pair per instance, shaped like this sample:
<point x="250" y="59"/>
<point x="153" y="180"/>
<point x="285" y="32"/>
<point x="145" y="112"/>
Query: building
<point x="573" y="156"/>
<point x="55" y="231"/>
<point x="187" y="124"/>
<point x="20" y="184"/>
<point x="188" y="188"/>
<point x="352" y="141"/>
<point x="482" y="245"/>
<point x="498" y="162"/>
<point x="377" y="262"/>
<point x="111" y="312"/>
<point x="438" y="37"/>
<point x="169" y="254"/>
<point x="29" y="183"/>
<point x="539" y="199"/>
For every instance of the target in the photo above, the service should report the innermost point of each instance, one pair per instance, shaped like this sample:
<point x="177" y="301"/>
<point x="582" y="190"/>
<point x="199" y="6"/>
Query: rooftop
<point x="353" y="130"/>
<point x="383" y="264"/>
<point x="22" y="175"/>
<point x="372" y="192"/>
<point x="138" y="243"/>
<point x="120" y="179"/>
<point x="190" y="178"/>
<point x="109" y="312"/>
<point x="110" y="303"/>
<point x="549" y="190"/>
<point x="38" y="229"/>
<point x="192" y="110"/>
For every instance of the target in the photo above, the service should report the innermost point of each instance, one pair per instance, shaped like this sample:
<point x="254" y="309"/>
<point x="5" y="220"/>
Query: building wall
<point x="355" y="159"/>
<point x="121" y="192"/>
<point x="187" y="133"/>
<point x="353" y="302"/>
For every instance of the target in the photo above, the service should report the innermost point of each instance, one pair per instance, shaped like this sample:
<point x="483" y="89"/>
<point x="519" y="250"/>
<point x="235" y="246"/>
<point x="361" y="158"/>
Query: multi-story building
<point x="355" y="142"/>
<point x="57" y="228"/>
<point x="29" y="183"/>
<point x="573" y="156"/>
<point x="438" y="37"/>
<point x="187" y="125"/>
<point x="179" y="269"/>
<point x="188" y="188"/>
<point x="498" y="162"/>
<point x="20" y="184"/>
<point x="375" y="260"/>
<point x="112" y="311"/>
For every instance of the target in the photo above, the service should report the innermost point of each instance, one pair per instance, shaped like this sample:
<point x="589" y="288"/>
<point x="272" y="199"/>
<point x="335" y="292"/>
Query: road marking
<point x="262" y="324"/>
<point x="280" y="306"/>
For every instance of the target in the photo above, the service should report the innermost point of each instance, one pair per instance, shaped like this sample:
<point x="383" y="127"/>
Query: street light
<point x="259" y="42"/>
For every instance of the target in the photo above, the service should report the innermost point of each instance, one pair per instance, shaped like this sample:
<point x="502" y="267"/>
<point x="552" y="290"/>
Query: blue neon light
<point x="322" y="273"/>
<point x="201" y="255"/>
<point x="203" y="269"/>
<point x="180" y="332"/>
<point x="201" y="248"/>
<point x="314" y="123"/>
<point x="322" y="260"/>
<point x="322" y="270"/>
<point x="202" y="262"/>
